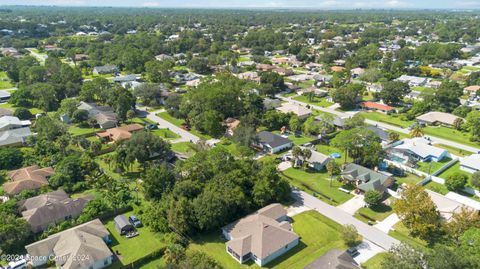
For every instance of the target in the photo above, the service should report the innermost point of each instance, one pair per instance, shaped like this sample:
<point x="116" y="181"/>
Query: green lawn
<point x="316" y="101"/>
<point x="452" y="170"/>
<point x="375" y="262"/>
<point x="297" y="140"/>
<point x="5" y="81"/>
<point x="179" y="122"/>
<point x="230" y="147"/>
<point x="318" y="235"/>
<point x="134" y="248"/>
<point x="454" y="151"/>
<point x="411" y="179"/>
<point x="328" y="150"/>
<point x="166" y="134"/>
<point x="377" y="213"/>
<point x="318" y="182"/>
<point x="76" y="131"/>
<point x="33" y="110"/>
<point x="435" y="166"/>
<point x="388" y="119"/>
<point x="423" y="89"/>
<point x="155" y="264"/>
<point x="182" y="147"/>
<point x="450" y="134"/>
<point x="401" y="233"/>
<point x="437" y="187"/>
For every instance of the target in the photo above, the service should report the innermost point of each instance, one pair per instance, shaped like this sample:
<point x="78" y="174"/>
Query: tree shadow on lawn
<point x="381" y="208"/>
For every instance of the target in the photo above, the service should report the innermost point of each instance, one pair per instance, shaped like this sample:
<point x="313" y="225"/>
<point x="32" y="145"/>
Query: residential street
<point x="381" y="124"/>
<point x="370" y="233"/>
<point x="38" y="56"/>
<point x="185" y="135"/>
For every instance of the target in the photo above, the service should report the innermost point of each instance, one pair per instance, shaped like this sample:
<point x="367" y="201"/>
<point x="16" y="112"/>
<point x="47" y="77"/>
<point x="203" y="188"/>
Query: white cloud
<point x="150" y="4"/>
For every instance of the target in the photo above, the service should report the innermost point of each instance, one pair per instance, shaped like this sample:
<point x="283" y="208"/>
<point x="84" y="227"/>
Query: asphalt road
<point x="370" y="233"/>
<point x="185" y="135"/>
<point x="383" y="125"/>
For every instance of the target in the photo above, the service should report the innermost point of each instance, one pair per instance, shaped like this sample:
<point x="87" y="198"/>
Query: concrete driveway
<point x="284" y="166"/>
<point x="353" y="205"/>
<point x="368" y="232"/>
<point x="367" y="250"/>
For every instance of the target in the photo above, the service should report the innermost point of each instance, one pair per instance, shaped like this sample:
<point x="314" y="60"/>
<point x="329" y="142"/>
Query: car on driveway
<point x="353" y="252"/>
<point x="135" y="221"/>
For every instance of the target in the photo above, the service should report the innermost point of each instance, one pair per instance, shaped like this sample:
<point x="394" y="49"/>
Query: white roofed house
<point x="317" y="160"/>
<point x="418" y="149"/>
<point x="438" y="118"/>
<point x="262" y="236"/>
<point x="470" y="164"/>
<point x="13" y="131"/>
<point x="412" y="80"/>
<point x="300" y="111"/>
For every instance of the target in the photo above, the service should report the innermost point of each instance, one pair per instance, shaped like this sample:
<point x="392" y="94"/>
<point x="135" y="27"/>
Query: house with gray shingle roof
<point x="106" y="69"/>
<point x="261" y="237"/>
<point x="83" y="246"/>
<point x="470" y="164"/>
<point x="272" y="143"/>
<point x="104" y="115"/>
<point x="15" y="137"/>
<point x="366" y="179"/>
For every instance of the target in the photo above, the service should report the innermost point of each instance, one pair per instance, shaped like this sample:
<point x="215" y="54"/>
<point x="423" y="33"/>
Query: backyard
<point x="296" y="139"/>
<point x="319" y="183"/>
<point x="431" y="167"/>
<point x="318" y="235"/>
<point x="322" y="102"/>
<point x="409" y="178"/>
<point x="5" y="81"/>
<point x="329" y="150"/>
<point x="131" y="249"/>
<point x="75" y="130"/>
<point x="452" y="170"/>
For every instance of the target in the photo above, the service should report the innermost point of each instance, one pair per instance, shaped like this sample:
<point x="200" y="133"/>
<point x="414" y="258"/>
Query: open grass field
<point x="450" y="134"/>
<point x="388" y="119"/>
<point x="132" y="249"/>
<point x="318" y="235"/>
<point x="322" y="102"/>
<point x="318" y="182"/>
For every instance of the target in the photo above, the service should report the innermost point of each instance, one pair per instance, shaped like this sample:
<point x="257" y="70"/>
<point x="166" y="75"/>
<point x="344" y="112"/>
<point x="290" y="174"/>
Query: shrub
<point x="456" y="181"/>
<point x="373" y="197"/>
<point x="350" y="236"/>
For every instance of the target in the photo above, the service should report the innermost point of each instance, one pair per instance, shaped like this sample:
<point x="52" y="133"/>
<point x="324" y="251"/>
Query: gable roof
<point x="318" y="157"/>
<point x="295" y="109"/>
<point x="420" y="147"/>
<point x="9" y="122"/>
<point x="14" y="136"/>
<point x="85" y="240"/>
<point x="121" y="133"/>
<point x="379" y="132"/>
<point x="369" y="179"/>
<point x="472" y="161"/>
<point x="260" y="233"/>
<point x="28" y="178"/>
<point x="272" y="139"/>
<point x="436" y="116"/>
<point x="377" y="106"/>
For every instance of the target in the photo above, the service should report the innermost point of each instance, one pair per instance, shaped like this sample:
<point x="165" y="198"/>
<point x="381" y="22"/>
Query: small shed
<point x="122" y="225"/>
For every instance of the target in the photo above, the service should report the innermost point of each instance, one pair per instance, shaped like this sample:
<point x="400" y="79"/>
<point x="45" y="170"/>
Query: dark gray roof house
<point x="379" y="132"/>
<point x="366" y="179"/>
<point x="106" y="69"/>
<point x="104" y="115"/>
<point x="127" y="78"/>
<point x="273" y="143"/>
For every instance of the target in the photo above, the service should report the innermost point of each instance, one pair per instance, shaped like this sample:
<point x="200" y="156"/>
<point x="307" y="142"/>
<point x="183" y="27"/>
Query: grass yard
<point x="375" y="262"/>
<point x="77" y="131"/>
<point x="452" y="170"/>
<point x="410" y="179"/>
<point x="435" y="166"/>
<point x="5" y="81"/>
<point x="423" y="89"/>
<point x="33" y="110"/>
<point x="454" y="151"/>
<point x="401" y="233"/>
<point x="316" y="101"/>
<point x="134" y="248"/>
<point x="318" y="182"/>
<point x="388" y="119"/>
<point x="437" y="187"/>
<point x="328" y="150"/>
<point x="165" y="134"/>
<point x="377" y="213"/>
<point x="182" y="147"/>
<point x="231" y="147"/>
<point x="178" y="122"/>
<point x="450" y="134"/>
<point x="297" y="140"/>
<point x="155" y="264"/>
<point x="318" y="235"/>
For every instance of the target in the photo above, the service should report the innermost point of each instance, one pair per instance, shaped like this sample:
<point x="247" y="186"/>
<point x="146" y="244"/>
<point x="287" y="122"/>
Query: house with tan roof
<point x="51" y="208"/>
<point x="300" y="111"/>
<point x="120" y="133"/>
<point x="472" y="90"/>
<point x="262" y="236"/>
<point x="438" y="118"/>
<point x="27" y="178"/>
<point x="83" y="246"/>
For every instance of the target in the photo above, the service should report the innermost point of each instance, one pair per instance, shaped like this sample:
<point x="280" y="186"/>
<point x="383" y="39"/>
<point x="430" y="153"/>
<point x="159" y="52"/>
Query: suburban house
<point x="471" y="90"/>
<point x="377" y="107"/>
<point x="381" y="133"/>
<point x="104" y="115"/>
<point x="470" y="164"/>
<point x="51" y="208"/>
<point x="15" y="137"/>
<point x="437" y="118"/>
<point x="270" y="103"/>
<point x="317" y="160"/>
<point x="412" y="80"/>
<point x="418" y="149"/>
<point x="300" y="111"/>
<point x="126" y="79"/>
<point x="250" y="75"/>
<point x="4" y="96"/>
<point x="372" y="87"/>
<point x="265" y="67"/>
<point x="366" y="179"/>
<point x="272" y="143"/>
<point x="334" y="259"/>
<point x="313" y="90"/>
<point x="87" y="240"/>
<point x="27" y="178"/>
<point x="5" y="112"/>
<point x="446" y="206"/>
<point x="283" y="71"/>
<point x="119" y="133"/>
<point x="357" y="72"/>
<point x="106" y="69"/>
<point x="262" y="236"/>
<point x="11" y="122"/>
<point x="337" y="121"/>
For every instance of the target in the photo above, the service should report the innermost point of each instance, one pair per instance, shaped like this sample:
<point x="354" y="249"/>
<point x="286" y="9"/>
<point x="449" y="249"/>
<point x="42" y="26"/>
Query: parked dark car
<point x="135" y="221"/>
<point x="353" y="252"/>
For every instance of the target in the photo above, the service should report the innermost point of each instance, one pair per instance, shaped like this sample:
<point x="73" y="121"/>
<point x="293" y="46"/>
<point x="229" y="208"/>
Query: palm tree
<point x="393" y="137"/>
<point x="417" y="131"/>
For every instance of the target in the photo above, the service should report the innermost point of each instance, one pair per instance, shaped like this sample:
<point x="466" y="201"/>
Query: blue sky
<point x="318" y="4"/>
